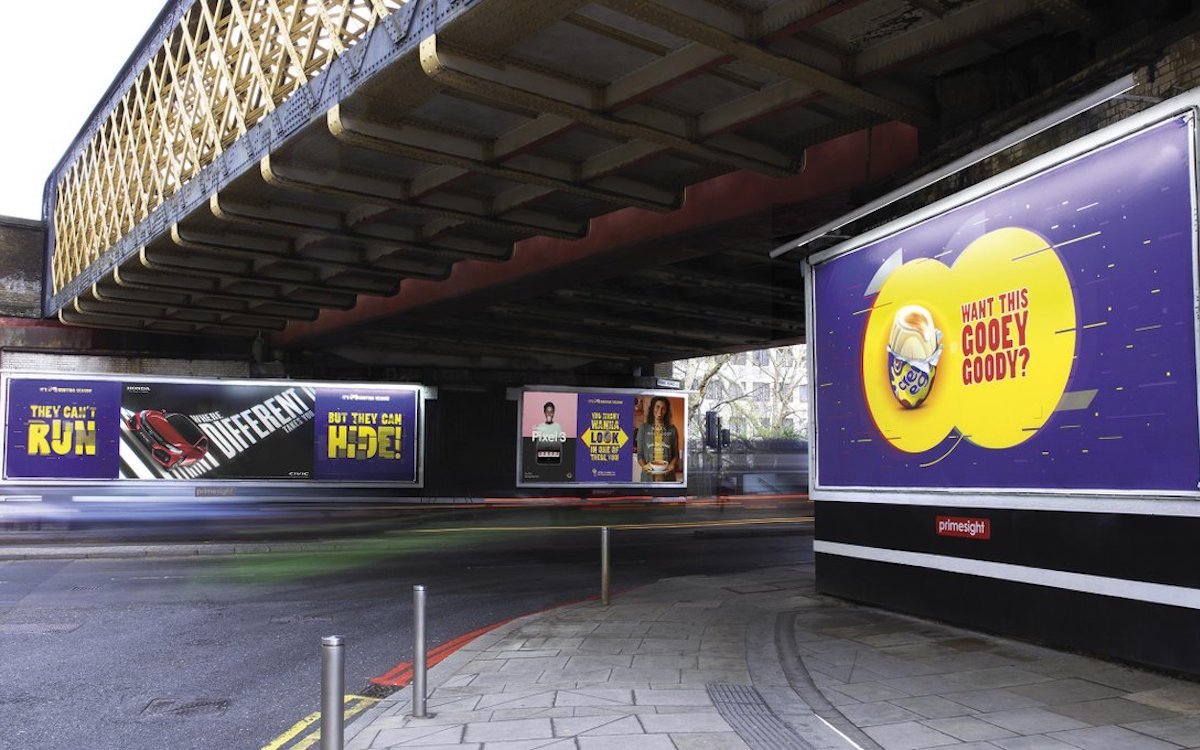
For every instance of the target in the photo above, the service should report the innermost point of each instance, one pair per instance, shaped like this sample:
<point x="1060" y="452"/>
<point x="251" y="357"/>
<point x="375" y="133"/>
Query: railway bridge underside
<point x="482" y="186"/>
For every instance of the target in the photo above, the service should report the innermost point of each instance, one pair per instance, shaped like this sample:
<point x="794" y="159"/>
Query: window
<point x="762" y="357"/>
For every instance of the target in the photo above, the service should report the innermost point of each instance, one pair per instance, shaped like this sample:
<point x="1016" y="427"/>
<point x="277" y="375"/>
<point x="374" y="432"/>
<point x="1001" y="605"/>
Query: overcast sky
<point x="57" y="60"/>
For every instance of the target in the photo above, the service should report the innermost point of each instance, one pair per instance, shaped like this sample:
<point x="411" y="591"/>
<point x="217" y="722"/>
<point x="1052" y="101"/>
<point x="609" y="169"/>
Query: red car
<point x="173" y="439"/>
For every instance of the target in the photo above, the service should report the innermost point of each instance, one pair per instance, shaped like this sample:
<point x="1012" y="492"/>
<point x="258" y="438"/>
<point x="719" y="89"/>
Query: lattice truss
<point x="225" y="66"/>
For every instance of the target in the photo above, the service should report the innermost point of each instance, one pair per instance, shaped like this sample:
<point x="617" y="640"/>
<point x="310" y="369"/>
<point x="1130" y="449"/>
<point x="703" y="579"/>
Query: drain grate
<point x="299" y="619"/>
<point x="37" y="628"/>
<point x="169" y="707"/>
<point x="753" y="588"/>
<point x="752" y="719"/>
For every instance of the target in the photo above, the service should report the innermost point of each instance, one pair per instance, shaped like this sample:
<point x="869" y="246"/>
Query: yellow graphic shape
<point x="1006" y="403"/>
<point x="592" y="437"/>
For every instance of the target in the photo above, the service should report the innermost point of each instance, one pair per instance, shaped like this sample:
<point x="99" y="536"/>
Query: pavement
<point x="761" y="661"/>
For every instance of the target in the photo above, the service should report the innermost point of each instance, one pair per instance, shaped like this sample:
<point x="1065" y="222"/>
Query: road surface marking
<point x="308" y="740"/>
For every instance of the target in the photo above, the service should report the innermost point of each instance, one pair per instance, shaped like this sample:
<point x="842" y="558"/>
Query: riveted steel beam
<point x="300" y="221"/>
<point x="143" y="311"/>
<point x="583" y="350"/>
<point x="1071" y="14"/>
<point x="933" y="7"/>
<point x="952" y="28"/>
<point x="427" y="355"/>
<point x="672" y="68"/>
<point x="605" y="321"/>
<point x="493" y="34"/>
<point x="375" y="136"/>
<point x="211" y="287"/>
<point x="156" y="261"/>
<point x="689" y="27"/>
<point x="376" y="193"/>
<point x="111" y="292"/>
<point x="213" y="87"/>
<point x="541" y="92"/>
<point x="254" y="249"/>
<point x="664" y="306"/>
<point x="692" y="278"/>
<point x="558" y="335"/>
<point x="72" y="317"/>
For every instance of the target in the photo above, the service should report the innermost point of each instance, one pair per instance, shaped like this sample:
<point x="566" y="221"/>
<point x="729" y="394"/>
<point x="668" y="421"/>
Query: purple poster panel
<point x="602" y="438"/>
<point x="365" y="434"/>
<point x="1041" y="337"/>
<point x="604" y="451"/>
<point x="63" y="429"/>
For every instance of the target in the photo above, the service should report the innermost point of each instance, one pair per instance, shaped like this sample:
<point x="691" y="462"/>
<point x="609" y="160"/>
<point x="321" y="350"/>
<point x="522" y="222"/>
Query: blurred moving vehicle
<point x="751" y="466"/>
<point x="173" y="439"/>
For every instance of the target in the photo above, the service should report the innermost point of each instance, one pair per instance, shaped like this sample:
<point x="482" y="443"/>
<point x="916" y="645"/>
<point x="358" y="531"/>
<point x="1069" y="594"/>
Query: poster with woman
<point x="602" y="438"/>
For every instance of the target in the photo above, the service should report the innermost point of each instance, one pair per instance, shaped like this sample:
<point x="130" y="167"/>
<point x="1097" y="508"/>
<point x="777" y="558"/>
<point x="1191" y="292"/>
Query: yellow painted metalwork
<point x="225" y="66"/>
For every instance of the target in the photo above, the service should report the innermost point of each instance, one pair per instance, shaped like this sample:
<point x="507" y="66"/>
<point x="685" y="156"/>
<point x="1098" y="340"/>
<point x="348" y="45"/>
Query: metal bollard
<point x="604" y="565"/>
<point x="418" y="682"/>
<point x="333" y="689"/>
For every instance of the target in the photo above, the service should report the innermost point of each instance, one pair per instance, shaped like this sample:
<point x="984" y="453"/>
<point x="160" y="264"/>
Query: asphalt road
<point x="223" y="652"/>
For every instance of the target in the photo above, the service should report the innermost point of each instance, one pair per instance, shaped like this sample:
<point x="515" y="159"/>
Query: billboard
<point x="1042" y="336"/>
<point x="68" y="428"/>
<point x="602" y="438"/>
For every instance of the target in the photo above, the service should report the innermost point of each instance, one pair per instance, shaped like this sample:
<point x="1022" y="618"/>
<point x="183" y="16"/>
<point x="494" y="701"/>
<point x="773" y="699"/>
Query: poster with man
<point x="548" y="438"/>
<point x="602" y="438"/>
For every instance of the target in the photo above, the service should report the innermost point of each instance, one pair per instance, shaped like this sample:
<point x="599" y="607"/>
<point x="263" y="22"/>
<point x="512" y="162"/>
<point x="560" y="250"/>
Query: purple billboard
<point x="603" y="454"/>
<point x="366" y="434"/>
<point x="1040" y="337"/>
<point x="599" y="438"/>
<point x="63" y="429"/>
<point x="210" y="430"/>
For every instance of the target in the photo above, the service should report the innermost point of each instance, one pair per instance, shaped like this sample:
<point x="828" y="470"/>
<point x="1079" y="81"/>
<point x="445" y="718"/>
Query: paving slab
<point x="1034" y="742"/>
<point x="1029" y="721"/>
<point x="759" y="661"/>
<point x="908" y="735"/>
<point x="1112" y="738"/>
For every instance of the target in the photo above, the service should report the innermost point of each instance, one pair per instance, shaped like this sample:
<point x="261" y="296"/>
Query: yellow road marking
<point x="677" y="525"/>
<point x="308" y="740"/>
<point x="295" y="729"/>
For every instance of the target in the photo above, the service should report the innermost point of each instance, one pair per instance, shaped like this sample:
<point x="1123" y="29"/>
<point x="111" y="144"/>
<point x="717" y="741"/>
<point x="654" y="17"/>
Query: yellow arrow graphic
<point x="591" y="437"/>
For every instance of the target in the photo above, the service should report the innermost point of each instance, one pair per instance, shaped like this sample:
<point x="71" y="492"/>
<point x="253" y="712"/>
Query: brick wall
<point x="1175" y="70"/>
<point x="22" y="248"/>
<point x="87" y="364"/>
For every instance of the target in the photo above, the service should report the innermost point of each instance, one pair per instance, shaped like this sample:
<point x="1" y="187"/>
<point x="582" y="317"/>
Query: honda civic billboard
<point x="1042" y="336"/>
<point x="85" y="428"/>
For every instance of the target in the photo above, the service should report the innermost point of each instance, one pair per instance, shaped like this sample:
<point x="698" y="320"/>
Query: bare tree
<point x="758" y="394"/>
<point x="702" y="375"/>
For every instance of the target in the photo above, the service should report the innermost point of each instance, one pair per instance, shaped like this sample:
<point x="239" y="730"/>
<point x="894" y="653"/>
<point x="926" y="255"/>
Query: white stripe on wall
<point x="1155" y="593"/>
<point x="1144" y="504"/>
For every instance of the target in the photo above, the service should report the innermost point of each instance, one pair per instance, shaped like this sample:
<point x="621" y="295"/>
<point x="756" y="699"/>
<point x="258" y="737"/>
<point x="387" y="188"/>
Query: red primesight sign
<point x="972" y="528"/>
